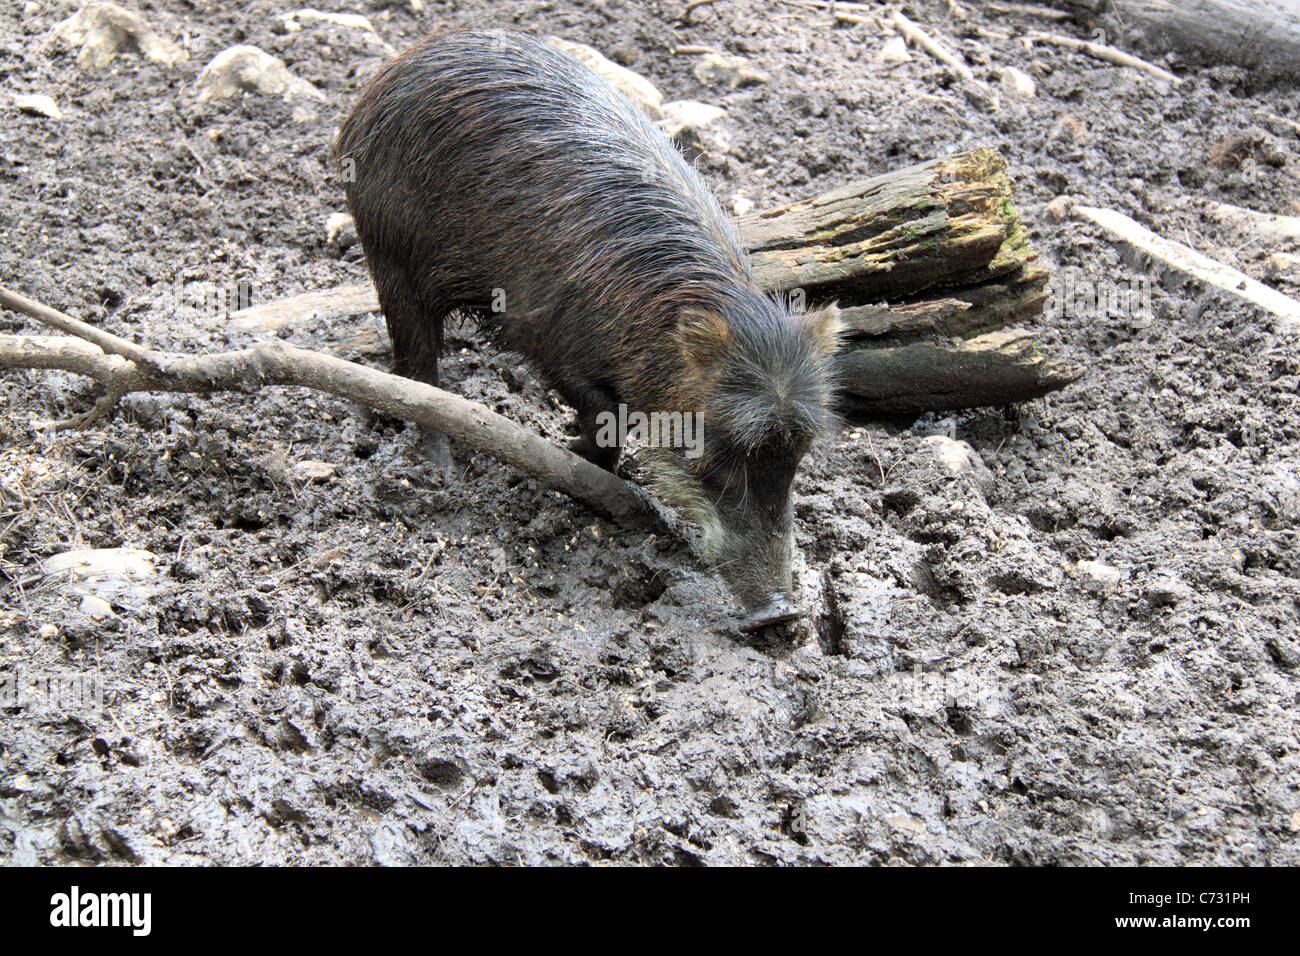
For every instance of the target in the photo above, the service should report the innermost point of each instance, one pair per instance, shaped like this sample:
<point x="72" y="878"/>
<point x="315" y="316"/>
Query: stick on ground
<point x="276" y="363"/>
<point x="918" y="37"/>
<point x="1107" y="53"/>
<point x="1189" y="262"/>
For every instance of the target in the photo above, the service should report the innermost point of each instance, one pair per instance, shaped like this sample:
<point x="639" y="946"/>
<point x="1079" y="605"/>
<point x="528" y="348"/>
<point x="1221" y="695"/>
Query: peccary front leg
<point x="599" y="445"/>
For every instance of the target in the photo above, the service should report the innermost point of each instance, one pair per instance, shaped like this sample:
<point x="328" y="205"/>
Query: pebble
<point x="895" y="51"/>
<point x="247" y="69"/>
<point x="38" y="104"/>
<point x="95" y="607"/>
<point x="100" y="31"/>
<point x="1099" y="574"/>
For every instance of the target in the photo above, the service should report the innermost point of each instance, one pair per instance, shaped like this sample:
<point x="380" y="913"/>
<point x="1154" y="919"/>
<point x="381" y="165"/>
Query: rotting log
<point x="1263" y="36"/>
<point x="947" y="223"/>
<point x="918" y="258"/>
<point x="995" y="368"/>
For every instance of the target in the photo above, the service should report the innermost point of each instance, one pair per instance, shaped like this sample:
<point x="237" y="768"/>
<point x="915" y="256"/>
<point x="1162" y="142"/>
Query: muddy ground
<point x="387" y="665"/>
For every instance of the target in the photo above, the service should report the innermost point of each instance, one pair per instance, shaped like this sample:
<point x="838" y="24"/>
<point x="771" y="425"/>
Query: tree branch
<point x="277" y="363"/>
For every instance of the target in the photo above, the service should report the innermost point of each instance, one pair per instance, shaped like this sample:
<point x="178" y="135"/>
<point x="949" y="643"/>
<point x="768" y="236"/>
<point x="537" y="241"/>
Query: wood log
<point x="941" y="243"/>
<point x="1261" y="35"/>
<point x="944" y="223"/>
<point x="996" y="368"/>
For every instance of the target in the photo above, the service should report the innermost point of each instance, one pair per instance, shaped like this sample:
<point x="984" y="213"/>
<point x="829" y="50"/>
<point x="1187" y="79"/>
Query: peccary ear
<point x="826" y="328"/>
<point x="701" y="335"/>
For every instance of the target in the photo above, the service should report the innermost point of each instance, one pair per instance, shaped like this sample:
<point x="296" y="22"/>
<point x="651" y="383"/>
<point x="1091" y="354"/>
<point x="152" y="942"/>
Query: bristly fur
<point x="672" y="482"/>
<point x="776" y="378"/>
<point x="500" y="178"/>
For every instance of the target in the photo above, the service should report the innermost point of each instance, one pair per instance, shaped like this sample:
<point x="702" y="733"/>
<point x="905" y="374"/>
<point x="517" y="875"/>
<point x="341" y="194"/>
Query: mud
<point x="384" y="664"/>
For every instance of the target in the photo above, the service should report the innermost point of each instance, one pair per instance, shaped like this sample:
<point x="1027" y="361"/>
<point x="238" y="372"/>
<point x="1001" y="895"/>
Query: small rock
<point x="246" y="69"/>
<point x="292" y="21"/>
<point x="48" y="632"/>
<point x="93" y="564"/>
<point x="959" y="459"/>
<point x="741" y="205"/>
<point x="905" y="821"/>
<point x="99" y="31"/>
<point x="297" y="19"/>
<point x="312" y="470"/>
<point x="95" y="575"/>
<point x="683" y="122"/>
<point x="1100" y="822"/>
<point x="722" y="72"/>
<point x="895" y="51"/>
<point x="1099" y="575"/>
<point x="1278" y="264"/>
<point x="692" y="113"/>
<point x="38" y="105"/>
<point x="1060" y="208"/>
<point x="1017" y="81"/>
<point x="95" y="607"/>
<point x="635" y="87"/>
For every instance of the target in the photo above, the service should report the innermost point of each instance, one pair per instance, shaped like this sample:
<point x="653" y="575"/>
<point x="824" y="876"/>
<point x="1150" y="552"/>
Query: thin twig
<point x="836" y="13"/>
<point x="1029" y="10"/>
<point x="1107" y="53"/>
<point x="918" y="37"/>
<point x="690" y="8"/>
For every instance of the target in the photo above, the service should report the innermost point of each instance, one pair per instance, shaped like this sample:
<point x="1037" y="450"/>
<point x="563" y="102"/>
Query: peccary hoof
<point x="775" y="611"/>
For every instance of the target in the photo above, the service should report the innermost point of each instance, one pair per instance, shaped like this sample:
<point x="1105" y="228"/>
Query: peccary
<point x="492" y="175"/>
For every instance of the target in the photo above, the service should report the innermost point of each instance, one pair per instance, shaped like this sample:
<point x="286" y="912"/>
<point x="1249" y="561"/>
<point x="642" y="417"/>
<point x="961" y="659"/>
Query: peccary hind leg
<point x="415" y="327"/>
